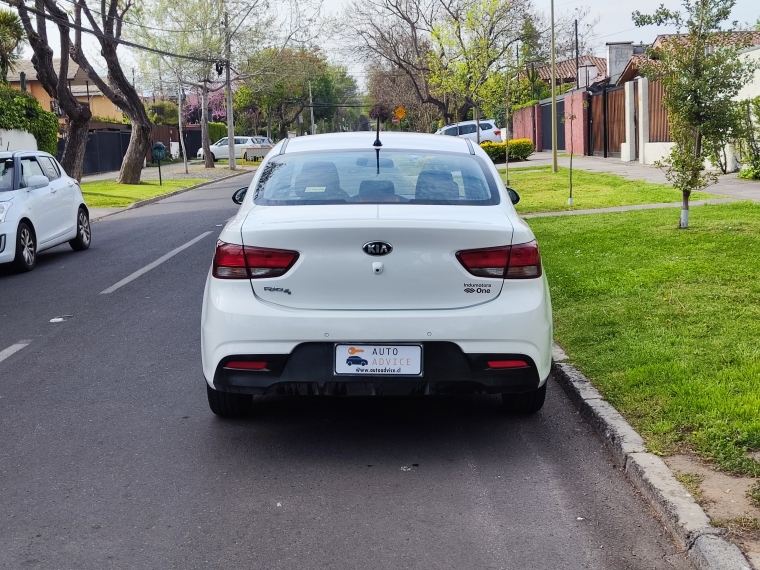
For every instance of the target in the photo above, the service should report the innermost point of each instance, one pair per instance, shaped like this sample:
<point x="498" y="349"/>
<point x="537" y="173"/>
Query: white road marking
<point x="153" y="265"/>
<point x="13" y="349"/>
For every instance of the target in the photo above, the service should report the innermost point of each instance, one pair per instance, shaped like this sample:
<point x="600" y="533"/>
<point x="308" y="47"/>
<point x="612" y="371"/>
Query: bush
<point x="216" y="131"/>
<point x="21" y="111"/>
<point x="519" y="149"/>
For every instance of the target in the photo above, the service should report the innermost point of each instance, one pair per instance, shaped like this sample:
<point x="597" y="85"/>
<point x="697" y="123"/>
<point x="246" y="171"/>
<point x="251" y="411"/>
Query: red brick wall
<point x="526" y="124"/>
<point x="574" y="105"/>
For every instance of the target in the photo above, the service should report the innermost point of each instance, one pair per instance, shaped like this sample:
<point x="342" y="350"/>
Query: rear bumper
<point x="236" y="323"/>
<point x="309" y="370"/>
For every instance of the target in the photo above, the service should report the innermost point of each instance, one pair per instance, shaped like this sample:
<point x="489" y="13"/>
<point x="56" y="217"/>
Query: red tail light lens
<point x="269" y="262"/>
<point x="521" y="261"/>
<point x="489" y="262"/>
<point x="246" y="365"/>
<point x="497" y="133"/>
<point x="244" y="262"/>
<point x="524" y="261"/>
<point x="229" y="262"/>
<point x="507" y="364"/>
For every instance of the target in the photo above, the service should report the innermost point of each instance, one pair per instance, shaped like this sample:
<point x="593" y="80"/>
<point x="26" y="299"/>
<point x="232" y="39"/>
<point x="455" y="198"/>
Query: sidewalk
<point x="173" y="171"/>
<point x="728" y="185"/>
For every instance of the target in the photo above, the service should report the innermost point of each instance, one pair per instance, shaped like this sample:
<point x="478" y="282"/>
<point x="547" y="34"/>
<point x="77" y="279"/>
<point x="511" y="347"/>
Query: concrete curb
<point x="682" y="516"/>
<point x="147" y="201"/>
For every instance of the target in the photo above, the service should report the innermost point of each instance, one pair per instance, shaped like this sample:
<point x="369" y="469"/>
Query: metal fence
<point x="546" y="125"/>
<point x="104" y="152"/>
<point x="659" y="130"/>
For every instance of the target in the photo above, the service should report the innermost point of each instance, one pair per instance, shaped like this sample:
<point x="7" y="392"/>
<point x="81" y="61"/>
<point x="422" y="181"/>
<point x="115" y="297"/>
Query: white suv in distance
<point x="40" y="207"/>
<point x="468" y="130"/>
<point x="220" y="149"/>
<point x="354" y="269"/>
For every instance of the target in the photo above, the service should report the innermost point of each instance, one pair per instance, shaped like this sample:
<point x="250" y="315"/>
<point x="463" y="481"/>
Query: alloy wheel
<point x="27" y="246"/>
<point x="84" y="227"/>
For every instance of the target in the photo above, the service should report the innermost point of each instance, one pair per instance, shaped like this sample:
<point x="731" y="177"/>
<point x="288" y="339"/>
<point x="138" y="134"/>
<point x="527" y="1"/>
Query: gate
<point x="607" y="118"/>
<point x="546" y="125"/>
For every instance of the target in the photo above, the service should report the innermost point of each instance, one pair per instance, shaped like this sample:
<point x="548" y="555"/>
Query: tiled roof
<point x="748" y="37"/>
<point x="26" y="66"/>
<point x="566" y="69"/>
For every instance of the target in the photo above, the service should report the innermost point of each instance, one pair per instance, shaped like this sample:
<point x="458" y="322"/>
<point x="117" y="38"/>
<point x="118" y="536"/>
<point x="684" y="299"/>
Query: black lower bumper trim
<point x="308" y="370"/>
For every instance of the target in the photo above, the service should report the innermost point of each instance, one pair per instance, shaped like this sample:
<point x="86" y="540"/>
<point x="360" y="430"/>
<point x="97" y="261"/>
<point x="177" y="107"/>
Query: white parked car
<point x="220" y="149"/>
<point x="40" y="207"/>
<point x="468" y="130"/>
<point x="351" y="269"/>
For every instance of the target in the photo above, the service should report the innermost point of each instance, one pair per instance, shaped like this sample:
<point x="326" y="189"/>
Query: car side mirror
<point x="513" y="195"/>
<point x="37" y="181"/>
<point x="239" y="195"/>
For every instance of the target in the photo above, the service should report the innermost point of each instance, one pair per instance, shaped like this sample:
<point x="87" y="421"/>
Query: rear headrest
<point x="436" y="185"/>
<point x="376" y="189"/>
<point x="318" y="174"/>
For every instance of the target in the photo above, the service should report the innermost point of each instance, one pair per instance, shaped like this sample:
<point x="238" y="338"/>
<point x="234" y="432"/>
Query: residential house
<point x="81" y="86"/>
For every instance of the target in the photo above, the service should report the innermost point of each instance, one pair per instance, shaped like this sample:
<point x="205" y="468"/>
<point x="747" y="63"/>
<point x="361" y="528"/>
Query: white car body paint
<point x="336" y="295"/>
<point x="51" y="209"/>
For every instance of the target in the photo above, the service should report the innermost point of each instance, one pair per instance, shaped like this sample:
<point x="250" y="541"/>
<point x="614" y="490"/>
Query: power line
<point x="71" y="26"/>
<point x="129" y="23"/>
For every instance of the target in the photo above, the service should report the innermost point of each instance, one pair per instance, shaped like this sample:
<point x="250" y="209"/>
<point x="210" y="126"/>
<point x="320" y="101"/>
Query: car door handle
<point x="53" y="190"/>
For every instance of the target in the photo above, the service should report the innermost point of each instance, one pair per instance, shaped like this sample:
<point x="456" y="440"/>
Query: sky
<point x="615" y="25"/>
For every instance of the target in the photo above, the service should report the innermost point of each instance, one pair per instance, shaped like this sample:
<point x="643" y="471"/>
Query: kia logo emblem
<point x="377" y="248"/>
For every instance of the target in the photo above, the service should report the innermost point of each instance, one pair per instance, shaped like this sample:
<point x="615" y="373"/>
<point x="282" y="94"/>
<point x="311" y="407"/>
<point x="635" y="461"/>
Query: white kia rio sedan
<point x="40" y="207"/>
<point x="359" y="269"/>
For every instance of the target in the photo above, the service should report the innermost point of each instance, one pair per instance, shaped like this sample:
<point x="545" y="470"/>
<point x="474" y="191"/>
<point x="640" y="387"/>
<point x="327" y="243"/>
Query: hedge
<point x="21" y="111"/>
<point x="216" y="131"/>
<point x="519" y="149"/>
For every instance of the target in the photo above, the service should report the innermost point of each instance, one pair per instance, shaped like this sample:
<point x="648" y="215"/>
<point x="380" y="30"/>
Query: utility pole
<point x="311" y="109"/>
<point x="577" y="67"/>
<point x="554" y="100"/>
<point x="228" y="79"/>
<point x="506" y="126"/>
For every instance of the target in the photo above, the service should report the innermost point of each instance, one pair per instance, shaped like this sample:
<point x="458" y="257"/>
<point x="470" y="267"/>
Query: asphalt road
<point x="111" y="459"/>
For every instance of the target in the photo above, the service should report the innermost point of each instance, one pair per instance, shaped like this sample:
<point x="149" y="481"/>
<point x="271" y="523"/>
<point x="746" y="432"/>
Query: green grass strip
<point x="666" y="322"/>
<point x="109" y="194"/>
<point x="541" y="190"/>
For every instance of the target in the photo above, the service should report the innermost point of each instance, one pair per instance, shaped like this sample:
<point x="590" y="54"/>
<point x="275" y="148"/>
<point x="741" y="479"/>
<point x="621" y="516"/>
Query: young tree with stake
<point x="701" y="72"/>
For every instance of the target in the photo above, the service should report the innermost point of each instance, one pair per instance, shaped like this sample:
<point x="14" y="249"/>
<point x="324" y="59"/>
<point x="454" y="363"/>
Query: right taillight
<point x="245" y="262"/>
<point x="524" y="261"/>
<point x="521" y="261"/>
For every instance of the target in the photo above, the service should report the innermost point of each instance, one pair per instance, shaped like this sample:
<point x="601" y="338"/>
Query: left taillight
<point x="521" y="261"/>
<point x="233" y="261"/>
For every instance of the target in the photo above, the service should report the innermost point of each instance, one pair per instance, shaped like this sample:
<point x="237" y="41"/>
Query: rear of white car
<point x="350" y="269"/>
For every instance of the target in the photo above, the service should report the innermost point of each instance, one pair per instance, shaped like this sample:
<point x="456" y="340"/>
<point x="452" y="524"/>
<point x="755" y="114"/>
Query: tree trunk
<point x="57" y="87"/>
<point x="685" y="210"/>
<point x="208" y="158"/>
<point x="139" y="143"/>
<point x="77" y="133"/>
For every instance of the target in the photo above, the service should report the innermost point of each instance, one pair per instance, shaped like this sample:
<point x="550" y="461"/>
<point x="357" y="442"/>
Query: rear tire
<point x="84" y="232"/>
<point x="26" y="248"/>
<point x="227" y="405"/>
<point x="525" y="403"/>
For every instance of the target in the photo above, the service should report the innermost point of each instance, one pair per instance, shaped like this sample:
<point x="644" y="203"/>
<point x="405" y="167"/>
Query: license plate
<point x="378" y="359"/>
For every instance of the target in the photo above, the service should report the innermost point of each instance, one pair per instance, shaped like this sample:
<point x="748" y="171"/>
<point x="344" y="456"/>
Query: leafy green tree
<point x="701" y="72"/>
<point x="11" y="36"/>
<point x="473" y="44"/>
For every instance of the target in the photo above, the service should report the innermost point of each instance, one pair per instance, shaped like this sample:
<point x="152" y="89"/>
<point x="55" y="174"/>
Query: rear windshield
<point x="396" y="177"/>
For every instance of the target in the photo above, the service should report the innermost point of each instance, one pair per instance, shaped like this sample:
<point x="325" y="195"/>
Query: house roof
<point x="75" y="74"/>
<point x="566" y="69"/>
<point x="747" y="37"/>
<point x="631" y="70"/>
